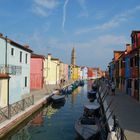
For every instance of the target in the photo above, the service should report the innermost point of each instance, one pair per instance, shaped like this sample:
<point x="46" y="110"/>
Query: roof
<point x="55" y="59"/>
<point x="135" y="31"/>
<point x="3" y="76"/>
<point x="37" y="56"/>
<point x="23" y="47"/>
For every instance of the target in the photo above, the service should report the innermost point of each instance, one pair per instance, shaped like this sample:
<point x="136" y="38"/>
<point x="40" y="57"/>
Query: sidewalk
<point x="127" y="111"/>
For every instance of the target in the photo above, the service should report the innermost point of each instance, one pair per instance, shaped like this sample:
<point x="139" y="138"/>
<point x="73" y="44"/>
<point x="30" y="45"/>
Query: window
<point x="136" y="60"/>
<point x="129" y="83"/>
<point x="20" y="56"/>
<point x="136" y="84"/>
<point x="25" y="81"/>
<point x="26" y="58"/>
<point x="131" y="62"/>
<point x="12" y="51"/>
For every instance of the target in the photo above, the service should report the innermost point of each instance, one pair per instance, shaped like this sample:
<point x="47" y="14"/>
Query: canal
<point x="55" y="122"/>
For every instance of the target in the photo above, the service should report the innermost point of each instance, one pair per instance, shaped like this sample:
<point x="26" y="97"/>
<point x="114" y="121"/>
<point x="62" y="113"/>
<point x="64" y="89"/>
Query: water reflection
<point x="38" y="120"/>
<point x="56" y="122"/>
<point x="89" y="84"/>
<point x="23" y="134"/>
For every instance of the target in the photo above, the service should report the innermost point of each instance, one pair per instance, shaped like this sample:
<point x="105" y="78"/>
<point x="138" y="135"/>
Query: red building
<point x="36" y="71"/>
<point x="90" y="73"/>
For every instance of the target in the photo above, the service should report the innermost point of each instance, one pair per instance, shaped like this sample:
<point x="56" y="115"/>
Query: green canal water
<point x="53" y="123"/>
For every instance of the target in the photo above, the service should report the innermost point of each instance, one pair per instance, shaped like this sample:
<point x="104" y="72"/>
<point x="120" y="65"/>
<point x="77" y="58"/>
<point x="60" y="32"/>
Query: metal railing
<point x="15" y="108"/>
<point x="10" y="69"/>
<point x="119" y="131"/>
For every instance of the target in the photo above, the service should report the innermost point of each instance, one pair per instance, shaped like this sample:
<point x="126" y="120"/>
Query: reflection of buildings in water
<point x="74" y="94"/>
<point x="38" y="120"/>
<point x="23" y="134"/>
<point x="50" y="111"/>
<point x="89" y="84"/>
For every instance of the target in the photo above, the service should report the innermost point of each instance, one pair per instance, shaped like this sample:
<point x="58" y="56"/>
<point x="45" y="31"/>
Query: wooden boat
<point x="58" y="98"/>
<point x="81" y="83"/>
<point x="94" y="87"/>
<point x="86" y="131"/>
<point x="92" y="94"/>
<point x="58" y="105"/>
<point x="87" y="126"/>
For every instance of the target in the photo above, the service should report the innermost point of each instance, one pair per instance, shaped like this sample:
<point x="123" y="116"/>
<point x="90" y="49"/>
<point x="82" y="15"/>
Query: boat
<point x="92" y="95"/>
<point x="94" y="87"/>
<point x="88" y="126"/>
<point x="58" y="105"/>
<point x="81" y="83"/>
<point x="92" y="110"/>
<point x="58" y="98"/>
<point x="86" y="131"/>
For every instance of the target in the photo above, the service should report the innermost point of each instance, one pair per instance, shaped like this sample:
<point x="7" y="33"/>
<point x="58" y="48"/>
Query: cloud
<point x="64" y="13"/>
<point x="99" y="51"/>
<point x="84" y="12"/>
<point x="44" y="8"/>
<point x="49" y="4"/>
<point x="95" y="52"/>
<point x="114" y="22"/>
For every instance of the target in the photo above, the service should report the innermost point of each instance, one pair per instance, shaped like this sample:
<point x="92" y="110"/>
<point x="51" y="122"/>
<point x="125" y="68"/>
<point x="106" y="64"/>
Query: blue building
<point x="84" y="73"/>
<point x="15" y="61"/>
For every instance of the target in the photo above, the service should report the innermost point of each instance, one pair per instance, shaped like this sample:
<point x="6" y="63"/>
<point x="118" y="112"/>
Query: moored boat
<point x="88" y="126"/>
<point x="58" y="98"/>
<point x="81" y="83"/>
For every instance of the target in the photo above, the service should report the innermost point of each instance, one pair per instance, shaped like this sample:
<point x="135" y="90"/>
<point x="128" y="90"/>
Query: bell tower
<point x="73" y="57"/>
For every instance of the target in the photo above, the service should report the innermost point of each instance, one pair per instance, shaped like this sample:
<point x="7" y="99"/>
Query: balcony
<point x="10" y="69"/>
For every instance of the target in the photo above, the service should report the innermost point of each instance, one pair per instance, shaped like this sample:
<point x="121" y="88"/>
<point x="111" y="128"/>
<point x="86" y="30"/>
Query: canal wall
<point x="8" y="125"/>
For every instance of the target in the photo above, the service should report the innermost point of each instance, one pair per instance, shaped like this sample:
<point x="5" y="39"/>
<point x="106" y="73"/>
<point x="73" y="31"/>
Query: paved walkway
<point x="127" y="111"/>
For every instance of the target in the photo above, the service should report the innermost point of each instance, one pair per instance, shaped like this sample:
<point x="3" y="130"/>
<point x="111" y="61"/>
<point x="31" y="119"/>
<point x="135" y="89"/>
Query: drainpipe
<point x="8" y="105"/>
<point x="6" y="53"/>
<point x="139" y="72"/>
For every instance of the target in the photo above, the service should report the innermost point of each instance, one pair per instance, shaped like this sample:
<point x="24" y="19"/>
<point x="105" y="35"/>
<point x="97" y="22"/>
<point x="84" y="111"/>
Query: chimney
<point x="128" y="48"/>
<point x="49" y="56"/>
<point x="26" y="46"/>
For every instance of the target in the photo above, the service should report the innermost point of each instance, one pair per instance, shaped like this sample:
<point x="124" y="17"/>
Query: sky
<point x="94" y="27"/>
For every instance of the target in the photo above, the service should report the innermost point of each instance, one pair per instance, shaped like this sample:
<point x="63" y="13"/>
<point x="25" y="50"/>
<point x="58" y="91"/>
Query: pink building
<point x="66" y="71"/>
<point x="36" y="71"/>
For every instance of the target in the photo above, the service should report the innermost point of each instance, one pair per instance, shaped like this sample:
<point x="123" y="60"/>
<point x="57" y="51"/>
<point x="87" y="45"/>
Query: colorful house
<point x="127" y="67"/>
<point x="52" y="70"/>
<point x="70" y="72"/>
<point x="66" y="72"/>
<point x="90" y="73"/>
<point x="37" y="71"/>
<point x="84" y="73"/>
<point x="15" y="62"/>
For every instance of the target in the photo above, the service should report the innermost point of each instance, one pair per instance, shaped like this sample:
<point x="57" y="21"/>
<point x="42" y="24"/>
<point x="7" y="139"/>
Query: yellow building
<point x="51" y="70"/>
<point x="75" y="72"/>
<point x="4" y="91"/>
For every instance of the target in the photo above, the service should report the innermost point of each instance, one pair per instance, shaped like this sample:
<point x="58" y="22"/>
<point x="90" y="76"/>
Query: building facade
<point x="127" y="67"/>
<point x="37" y="71"/>
<point x="15" y="61"/>
<point x="52" y="70"/>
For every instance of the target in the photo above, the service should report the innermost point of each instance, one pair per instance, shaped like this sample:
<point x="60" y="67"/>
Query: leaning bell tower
<point x="73" y="57"/>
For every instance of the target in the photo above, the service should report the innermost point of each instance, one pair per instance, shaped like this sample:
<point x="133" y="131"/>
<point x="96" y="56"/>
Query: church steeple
<point x="73" y="57"/>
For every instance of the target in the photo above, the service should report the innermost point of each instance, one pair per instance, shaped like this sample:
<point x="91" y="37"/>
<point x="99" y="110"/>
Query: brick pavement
<point x="127" y="111"/>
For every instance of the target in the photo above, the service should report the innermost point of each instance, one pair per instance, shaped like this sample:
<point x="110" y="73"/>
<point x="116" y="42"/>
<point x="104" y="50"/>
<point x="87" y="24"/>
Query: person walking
<point x="113" y="88"/>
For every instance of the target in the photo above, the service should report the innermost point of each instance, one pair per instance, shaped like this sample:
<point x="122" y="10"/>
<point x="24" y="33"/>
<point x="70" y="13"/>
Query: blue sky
<point x="95" y="28"/>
